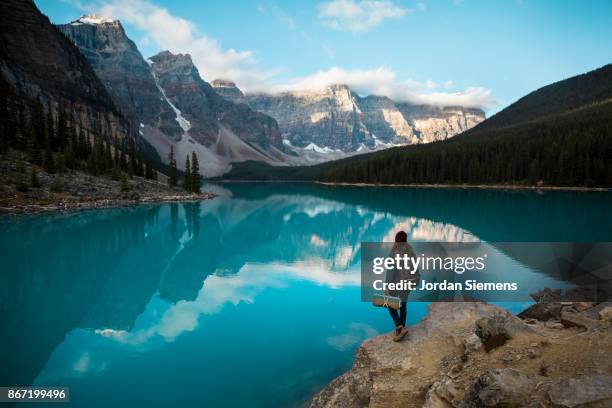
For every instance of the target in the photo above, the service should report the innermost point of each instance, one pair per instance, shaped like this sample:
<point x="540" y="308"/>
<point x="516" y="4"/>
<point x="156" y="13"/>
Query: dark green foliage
<point x="187" y="182"/>
<point x="50" y="129"/>
<point x="21" y="184"/>
<point x="172" y="174"/>
<point x="57" y="185"/>
<point x="125" y="187"/>
<point x="20" y="167"/>
<point x="563" y="96"/>
<point x="34" y="181"/>
<point x="150" y="172"/>
<point x="48" y="161"/>
<point x="116" y="173"/>
<point x="572" y="149"/>
<point x="60" y="162"/>
<point x="63" y="130"/>
<point x="52" y="138"/>
<point x="195" y="174"/>
<point x="38" y="134"/>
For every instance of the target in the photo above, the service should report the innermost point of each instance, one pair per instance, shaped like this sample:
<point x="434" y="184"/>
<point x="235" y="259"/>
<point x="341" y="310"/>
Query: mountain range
<point x="558" y="135"/>
<point x="91" y="69"/>
<point x="171" y="105"/>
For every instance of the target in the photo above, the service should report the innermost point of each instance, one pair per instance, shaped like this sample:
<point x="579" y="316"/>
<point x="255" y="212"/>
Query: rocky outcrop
<point x="338" y="118"/>
<point x="122" y="69"/>
<point x="442" y="364"/>
<point x="329" y="118"/>
<point x="205" y="110"/>
<point x="229" y="90"/>
<point x="217" y="130"/>
<point x="38" y="61"/>
<point x="433" y="123"/>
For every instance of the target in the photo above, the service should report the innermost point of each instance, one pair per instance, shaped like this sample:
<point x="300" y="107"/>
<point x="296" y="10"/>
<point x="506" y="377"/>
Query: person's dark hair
<point x="401" y="236"/>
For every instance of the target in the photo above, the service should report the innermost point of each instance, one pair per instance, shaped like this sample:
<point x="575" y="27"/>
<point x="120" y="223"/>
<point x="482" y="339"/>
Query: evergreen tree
<point x="48" y="161"/>
<point x="195" y="174"/>
<point x="116" y="173"/>
<point x="51" y="139"/>
<point x="62" y="133"/>
<point x="34" y="149"/>
<point x="108" y="157"/>
<point x="34" y="181"/>
<point x="172" y="175"/>
<point x="125" y="186"/>
<point x="150" y="172"/>
<point x="123" y="161"/>
<point x="187" y="184"/>
<point x="37" y="122"/>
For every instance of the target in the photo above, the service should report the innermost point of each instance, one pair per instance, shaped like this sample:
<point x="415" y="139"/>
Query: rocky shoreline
<point x="474" y="355"/>
<point x="65" y="206"/>
<point x="77" y="190"/>
<point x="473" y="186"/>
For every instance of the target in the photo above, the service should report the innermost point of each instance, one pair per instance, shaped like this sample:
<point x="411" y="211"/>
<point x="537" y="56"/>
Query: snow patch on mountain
<point x="92" y="19"/>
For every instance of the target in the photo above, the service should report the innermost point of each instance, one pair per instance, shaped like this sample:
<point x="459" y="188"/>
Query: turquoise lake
<point x="248" y="300"/>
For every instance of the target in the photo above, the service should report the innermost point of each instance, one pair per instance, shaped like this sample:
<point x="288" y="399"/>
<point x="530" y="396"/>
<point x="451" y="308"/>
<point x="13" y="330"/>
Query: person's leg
<point x="402" y="314"/>
<point x="395" y="316"/>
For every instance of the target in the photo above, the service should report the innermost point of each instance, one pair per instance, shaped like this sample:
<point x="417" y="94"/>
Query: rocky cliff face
<point x="122" y="69"/>
<point x="38" y="61"/>
<point x="338" y="118"/>
<point x="205" y="109"/>
<point x="330" y="118"/>
<point x="475" y="355"/>
<point x="229" y="91"/>
<point x="170" y="104"/>
<point x="217" y="130"/>
<point x="432" y="123"/>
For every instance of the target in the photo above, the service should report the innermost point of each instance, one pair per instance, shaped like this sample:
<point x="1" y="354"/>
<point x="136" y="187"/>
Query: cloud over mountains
<point x="166" y="31"/>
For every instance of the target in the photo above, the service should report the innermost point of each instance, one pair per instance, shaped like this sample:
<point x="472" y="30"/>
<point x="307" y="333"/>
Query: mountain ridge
<point x="336" y="117"/>
<point x="160" y="105"/>
<point x="565" y="146"/>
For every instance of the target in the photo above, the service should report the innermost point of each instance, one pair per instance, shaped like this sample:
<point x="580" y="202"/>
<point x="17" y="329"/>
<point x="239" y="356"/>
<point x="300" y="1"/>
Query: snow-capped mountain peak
<point x="92" y="19"/>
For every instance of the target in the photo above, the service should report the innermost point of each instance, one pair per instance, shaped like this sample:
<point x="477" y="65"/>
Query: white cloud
<point x="383" y="81"/>
<point x="179" y="35"/>
<point x="358" y="16"/>
<point x="161" y="28"/>
<point x="355" y="334"/>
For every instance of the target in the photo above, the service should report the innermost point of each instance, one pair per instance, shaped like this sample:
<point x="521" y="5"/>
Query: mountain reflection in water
<point x="267" y="275"/>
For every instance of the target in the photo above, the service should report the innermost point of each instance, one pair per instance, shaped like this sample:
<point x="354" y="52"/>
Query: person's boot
<point x="400" y="333"/>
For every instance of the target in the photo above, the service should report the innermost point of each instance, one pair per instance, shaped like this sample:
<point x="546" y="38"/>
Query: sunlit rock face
<point x="338" y="118"/>
<point x="328" y="118"/>
<point x="433" y="123"/>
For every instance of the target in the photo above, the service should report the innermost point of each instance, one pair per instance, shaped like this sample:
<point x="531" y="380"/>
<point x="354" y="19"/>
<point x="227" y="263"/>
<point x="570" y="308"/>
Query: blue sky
<point x="480" y="53"/>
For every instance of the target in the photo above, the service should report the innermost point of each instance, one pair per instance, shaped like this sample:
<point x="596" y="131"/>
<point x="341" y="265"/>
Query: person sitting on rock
<point x="400" y="247"/>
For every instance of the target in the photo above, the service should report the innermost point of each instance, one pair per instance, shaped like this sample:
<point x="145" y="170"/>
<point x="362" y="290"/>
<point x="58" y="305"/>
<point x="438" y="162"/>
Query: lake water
<point x="248" y="300"/>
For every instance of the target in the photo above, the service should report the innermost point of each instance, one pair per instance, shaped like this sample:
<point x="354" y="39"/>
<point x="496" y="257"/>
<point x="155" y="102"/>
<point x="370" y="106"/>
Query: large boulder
<point x="492" y="331"/>
<point x="592" y="391"/>
<point x="507" y="388"/>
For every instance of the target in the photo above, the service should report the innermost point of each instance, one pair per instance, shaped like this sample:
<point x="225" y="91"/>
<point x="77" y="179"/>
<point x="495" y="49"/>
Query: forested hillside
<point x="559" y="135"/>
